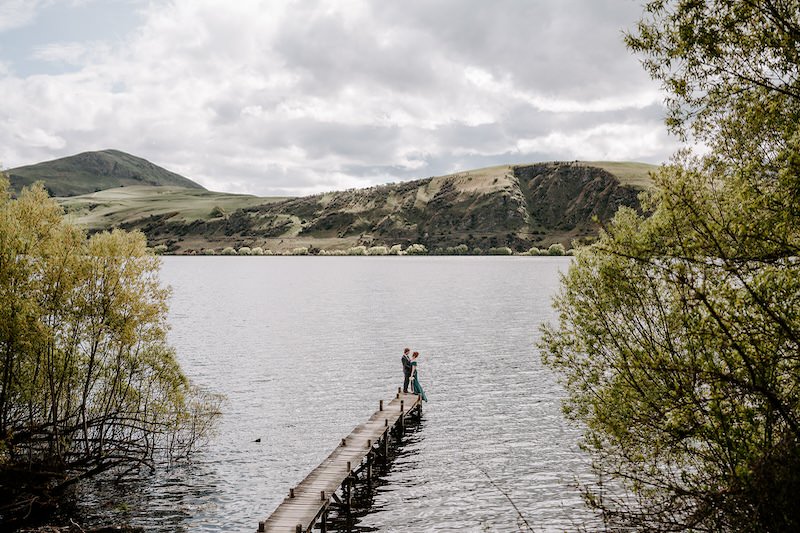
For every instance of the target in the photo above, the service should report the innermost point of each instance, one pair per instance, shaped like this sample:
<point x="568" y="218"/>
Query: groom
<point x="406" y="369"/>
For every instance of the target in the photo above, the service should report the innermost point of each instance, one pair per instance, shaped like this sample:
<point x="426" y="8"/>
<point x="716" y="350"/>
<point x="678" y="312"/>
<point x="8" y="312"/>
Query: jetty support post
<point x="348" y="494"/>
<point x="369" y="471"/>
<point x="402" y="419"/>
<point x="386" y="443"/>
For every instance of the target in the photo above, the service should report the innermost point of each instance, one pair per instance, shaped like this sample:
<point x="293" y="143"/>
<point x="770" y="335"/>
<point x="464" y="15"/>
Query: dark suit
<point x="407" y="368"/>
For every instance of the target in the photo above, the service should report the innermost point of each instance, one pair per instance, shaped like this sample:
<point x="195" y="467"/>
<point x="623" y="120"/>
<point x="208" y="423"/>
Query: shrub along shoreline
<point x="556" y="249"/>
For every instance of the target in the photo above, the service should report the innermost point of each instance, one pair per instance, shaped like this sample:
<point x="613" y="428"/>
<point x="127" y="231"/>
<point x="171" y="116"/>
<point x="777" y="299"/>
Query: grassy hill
<point x="517" y="206"/>
<point x="95" y="171"/>
<point x="126" y="206"/>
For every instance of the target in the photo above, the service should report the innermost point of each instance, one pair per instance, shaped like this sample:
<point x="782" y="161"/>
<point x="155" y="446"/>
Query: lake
<point x="304" y="347"/>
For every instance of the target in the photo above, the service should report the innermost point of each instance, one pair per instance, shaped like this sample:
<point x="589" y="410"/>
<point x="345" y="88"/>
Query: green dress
<point x="415" y="386"/>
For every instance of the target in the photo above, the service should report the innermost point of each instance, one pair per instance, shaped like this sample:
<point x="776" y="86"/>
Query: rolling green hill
<point x="95" y="171"/>
<point x="132" y="205"/>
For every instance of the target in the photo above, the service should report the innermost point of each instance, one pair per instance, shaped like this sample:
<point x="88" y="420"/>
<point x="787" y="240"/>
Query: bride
<point x="415" y="386"/>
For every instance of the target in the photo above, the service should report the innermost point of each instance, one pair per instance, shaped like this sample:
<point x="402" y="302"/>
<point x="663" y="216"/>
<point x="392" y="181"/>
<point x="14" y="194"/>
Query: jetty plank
<point x="312" y="496"/>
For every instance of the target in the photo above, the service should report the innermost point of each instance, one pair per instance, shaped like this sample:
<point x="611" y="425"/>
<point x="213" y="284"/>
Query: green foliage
<point x="556" y="249"/>
<point x="357" y="250"/>
<point x="87" y="381"/>
<point x="377" y="250"/>
<point x="500" y="250"/>
<point x="678" y="333"/>
<point x="535" y="251"/>
<point x="228" y="250"/>
<point x="160" y="249"/>
<point x="461" y="249"/>
<point x="244" y="250"/>
<point x="678" y="339"/>
<point x="417" y="249"/>
<point x="217" y="212"/>
<point x="731" y="68"/>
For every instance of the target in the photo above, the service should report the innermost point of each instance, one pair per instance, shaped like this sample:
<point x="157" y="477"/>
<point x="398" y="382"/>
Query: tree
<point x="678" y="337"/>
<point x="730" y="69"/>
<point x="88" y="384"/>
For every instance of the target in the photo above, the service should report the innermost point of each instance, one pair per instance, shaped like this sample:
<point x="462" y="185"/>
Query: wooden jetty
<point x="330" y="485"/>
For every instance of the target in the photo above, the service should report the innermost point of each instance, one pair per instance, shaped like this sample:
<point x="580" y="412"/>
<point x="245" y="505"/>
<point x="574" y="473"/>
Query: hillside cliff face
<point x="569" y="197"/>
<point x="515" y="206"/>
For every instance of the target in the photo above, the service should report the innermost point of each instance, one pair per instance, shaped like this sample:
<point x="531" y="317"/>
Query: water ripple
<point x="304" y="347"/>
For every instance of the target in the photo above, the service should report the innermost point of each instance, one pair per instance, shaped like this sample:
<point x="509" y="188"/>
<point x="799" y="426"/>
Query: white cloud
<point x="38" y="138"/>
<point x="612" y="141"/>
<point x="276" y="96"/>
<point x="18" y="13"/>
<point x="74" y="53"/>
<point x="486" y="81"/>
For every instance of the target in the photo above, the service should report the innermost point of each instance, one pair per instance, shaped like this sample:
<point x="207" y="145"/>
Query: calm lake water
<point x="304" y="347"/>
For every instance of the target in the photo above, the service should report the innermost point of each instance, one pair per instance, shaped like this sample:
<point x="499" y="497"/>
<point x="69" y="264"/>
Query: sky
<point x="294" y="97"/>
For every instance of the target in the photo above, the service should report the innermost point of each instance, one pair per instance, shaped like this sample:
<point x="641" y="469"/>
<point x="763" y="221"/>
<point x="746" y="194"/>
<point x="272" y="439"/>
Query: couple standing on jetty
<point x="410" y="373"/>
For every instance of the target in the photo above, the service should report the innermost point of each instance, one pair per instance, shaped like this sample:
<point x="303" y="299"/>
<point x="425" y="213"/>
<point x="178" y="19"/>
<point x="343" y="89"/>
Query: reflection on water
<point x="304" y="347"/>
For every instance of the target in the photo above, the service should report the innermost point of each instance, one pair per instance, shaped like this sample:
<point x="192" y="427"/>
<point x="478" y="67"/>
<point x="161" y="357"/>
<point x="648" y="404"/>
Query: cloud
<point x="609" y="141"/>
<point x="282" y="97"/>
<point x="18" y="13"/>
<point x="73" y="53"/>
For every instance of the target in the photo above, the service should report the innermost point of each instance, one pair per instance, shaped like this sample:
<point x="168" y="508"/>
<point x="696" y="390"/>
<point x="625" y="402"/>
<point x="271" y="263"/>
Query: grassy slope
<point x="94" y="171"/>
<point x="628" y="173"/>
<point x="113" y="207"/>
